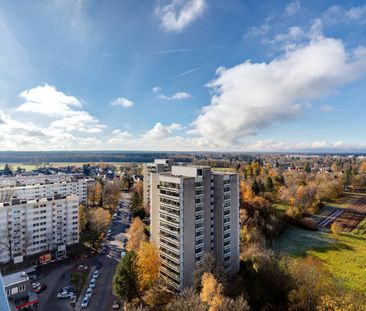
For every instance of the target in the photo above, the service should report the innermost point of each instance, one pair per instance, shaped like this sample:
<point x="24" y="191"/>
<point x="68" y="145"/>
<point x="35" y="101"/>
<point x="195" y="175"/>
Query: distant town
<point x="113" y="235"/>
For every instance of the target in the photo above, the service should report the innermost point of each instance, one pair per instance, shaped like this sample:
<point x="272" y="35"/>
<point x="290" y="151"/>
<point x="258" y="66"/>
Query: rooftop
<point x="15" y="278"/>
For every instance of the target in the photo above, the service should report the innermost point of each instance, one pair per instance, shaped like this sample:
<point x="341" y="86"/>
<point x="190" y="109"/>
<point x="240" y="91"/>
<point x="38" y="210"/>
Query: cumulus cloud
<point x="122" y="102"/>
<point x="178" y="14"/>
<point x="177" y="96"/>
<point x="292" y="8"/>
<point x="261" y="30"/>
<point x="47" y="100"/>
<point x="80" y="121"/>
<point x="160" y="131"/>
<point x="252" y="96"/>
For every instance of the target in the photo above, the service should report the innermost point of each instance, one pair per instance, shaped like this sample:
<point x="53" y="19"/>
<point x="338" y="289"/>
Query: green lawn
<point x="344" y="255"/>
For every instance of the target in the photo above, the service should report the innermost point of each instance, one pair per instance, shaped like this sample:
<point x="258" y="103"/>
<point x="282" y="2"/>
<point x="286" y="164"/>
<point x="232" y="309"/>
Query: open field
<point x="344" y="255"/>
<point x="30" y="167"/>
<point x="348" y="212"/>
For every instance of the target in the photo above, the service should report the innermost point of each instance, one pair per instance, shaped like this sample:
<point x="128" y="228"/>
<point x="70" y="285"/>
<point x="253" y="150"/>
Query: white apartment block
<point x="41" y="186"/>
<point x="194" y="211"/>
<point x="38" y="225"/>
<point x="158" y="166"/>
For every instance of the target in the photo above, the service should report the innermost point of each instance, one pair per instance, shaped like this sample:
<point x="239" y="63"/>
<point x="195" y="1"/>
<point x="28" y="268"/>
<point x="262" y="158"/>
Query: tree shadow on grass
<point x="297" y="242"/>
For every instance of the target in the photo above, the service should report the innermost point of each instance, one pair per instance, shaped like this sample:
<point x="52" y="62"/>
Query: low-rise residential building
<point x="158" y="166"/>
<point x="194" y="211"/>
<point x="32" y="226"/>
<point x="4" y="304"/>
<point x="19" y="291"/>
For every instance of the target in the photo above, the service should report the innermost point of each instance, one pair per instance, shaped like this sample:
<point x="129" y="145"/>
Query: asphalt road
<point x="102" y="298"/>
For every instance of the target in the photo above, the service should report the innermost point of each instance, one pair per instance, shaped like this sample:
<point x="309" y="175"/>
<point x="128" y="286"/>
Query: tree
<point x="307" y="167"/>
<point x="8" y="241"/>
<point x="188" y="300"/>
<point x="136" y="235"/>
<point x="8" y="170"/>
<point x="127" y="182"/>
<point x="212" y="292"/>
<point x="237" y="304"/>
<point x="255" y="187"/>
<point x="99" y="192"/>
<point x="136" y="203"/>
<point x="99" y="219"/>
<point x="209" y="265"/>
<point x="147" y="265"/>
<point x="363" y="167"/>
<point x="125" y="279"/>
<point x="269" y="184"/>
<point x="83" y="219"/>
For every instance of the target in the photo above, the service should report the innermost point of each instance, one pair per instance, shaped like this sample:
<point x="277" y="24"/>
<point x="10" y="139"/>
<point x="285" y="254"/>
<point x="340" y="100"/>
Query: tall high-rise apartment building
<point x="29" y="227"/>
<point x="158" y="166"/>
<point x="194" y="211"/>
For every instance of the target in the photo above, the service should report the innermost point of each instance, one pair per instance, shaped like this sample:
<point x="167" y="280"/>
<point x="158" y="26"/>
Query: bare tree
<point x="27" y="241"/>
<point x="8" y="239"/>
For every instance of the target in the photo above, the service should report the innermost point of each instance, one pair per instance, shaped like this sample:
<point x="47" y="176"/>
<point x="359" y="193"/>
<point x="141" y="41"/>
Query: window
<point x="21" y="288"/>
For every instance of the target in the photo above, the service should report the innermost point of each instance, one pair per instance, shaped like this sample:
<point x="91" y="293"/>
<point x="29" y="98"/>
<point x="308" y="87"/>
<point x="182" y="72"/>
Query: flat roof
<point x="15" y="278"/>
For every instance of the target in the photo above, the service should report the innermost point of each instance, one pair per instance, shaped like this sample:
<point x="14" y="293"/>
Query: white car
<point x="123" y="253"/>
<point x="63" y="294"/>
<point x="92" y="283"/>
<point x="89" y="292"/>
<point x="85" y="302"/>
<point x="36" y="285"/>
<point x="95" y="274"/>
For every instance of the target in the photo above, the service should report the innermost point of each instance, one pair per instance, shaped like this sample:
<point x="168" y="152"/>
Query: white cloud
<point x="292" y="8"/>
<point x="80" y="121"/>
<point x="177" y="96"/>
<point x="357" y="13"/>
<point x="121" y="134"/>
<point x="178" y="14"/>
<point x="252" y="96"/>
<point x="160" y="131"/>
<point x="259" y="30"/>
<point x="47" y="100"/>
<point x="336" y="14"/>
<point x="123" y="102"/>
<point x="326" y="108"/>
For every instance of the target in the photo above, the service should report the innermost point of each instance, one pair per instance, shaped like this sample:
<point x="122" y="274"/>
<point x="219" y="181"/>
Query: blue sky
<point x="182" y="75"/>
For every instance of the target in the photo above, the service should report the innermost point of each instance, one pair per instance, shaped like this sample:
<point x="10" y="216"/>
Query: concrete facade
<point x="42" y="186"/>
<point x="194" y="211"/>
<point x="32" y="226"/>
<point x="158" y="166"/>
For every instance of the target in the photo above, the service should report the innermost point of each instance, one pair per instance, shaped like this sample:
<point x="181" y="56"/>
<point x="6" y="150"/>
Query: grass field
<point x="30" y="167"/>
<point x="344" y="255"/>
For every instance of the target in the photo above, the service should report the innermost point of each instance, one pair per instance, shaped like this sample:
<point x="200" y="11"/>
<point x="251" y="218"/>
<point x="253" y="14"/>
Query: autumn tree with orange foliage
<point x="147" y="265"/>
<point x="136" y="235"/>
<point x="212" y="292"/>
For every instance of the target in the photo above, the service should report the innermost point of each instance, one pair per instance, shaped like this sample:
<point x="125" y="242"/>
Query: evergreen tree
<point x="125" y="278"/>
<point x="269" y="184"/>
<point x="255" y="187"/>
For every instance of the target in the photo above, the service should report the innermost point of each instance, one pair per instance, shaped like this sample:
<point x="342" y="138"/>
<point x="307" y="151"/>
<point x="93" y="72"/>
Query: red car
<point x="41" y="288"/>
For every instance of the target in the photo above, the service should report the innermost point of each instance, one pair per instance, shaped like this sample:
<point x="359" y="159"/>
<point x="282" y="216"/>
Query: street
<point x="102" y="297"/>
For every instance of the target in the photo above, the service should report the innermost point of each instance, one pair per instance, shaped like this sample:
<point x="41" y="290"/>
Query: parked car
<point x="123" y="253"/>
<point x="85" y="302"/>
<point x="36" y="285"/>
<point x="116" y="304"/>
<point x="69" y="289"/>
<point x="82" y="268"/>
<point x="64" y="294"/>
<point x="109" y="231"/>
<point x="95" y="274"/>
<point x="89" y="292"/>
<point x="41" y="288"/>
<point x="99" y="265"/>
<point x="115" y="216"/>
<point x="92" y="283"/>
